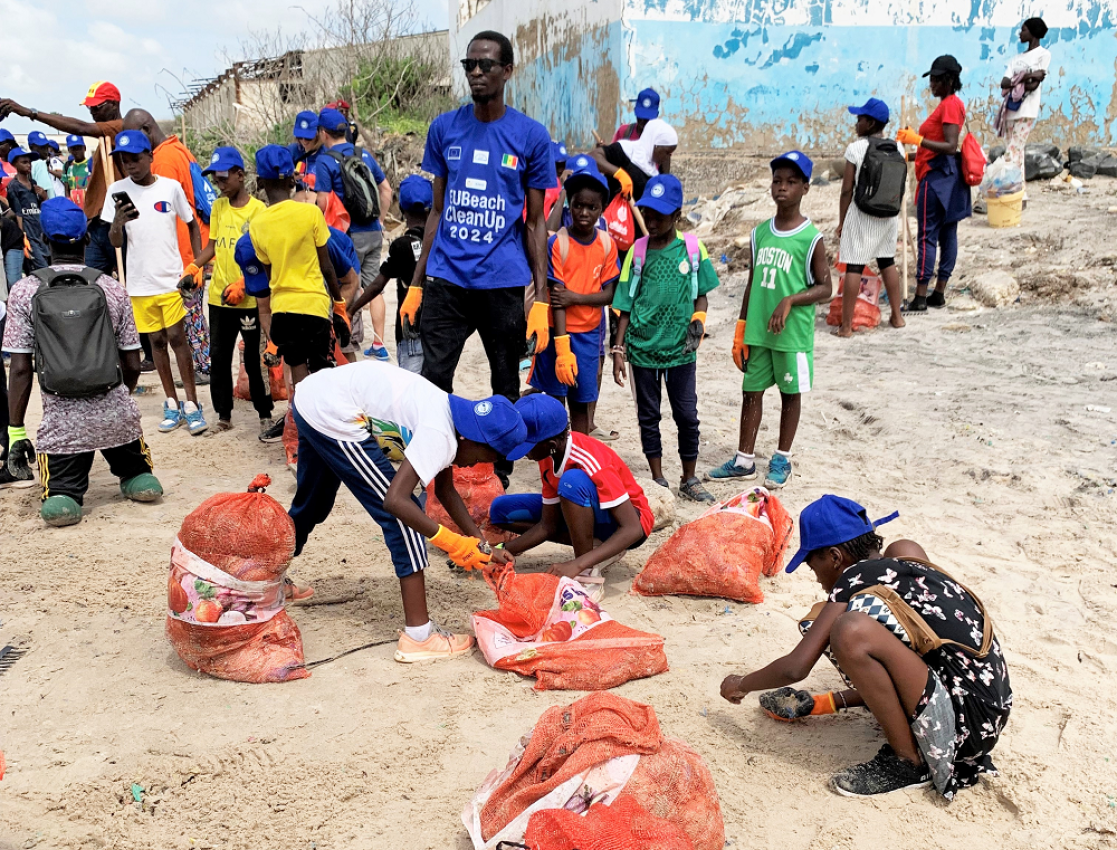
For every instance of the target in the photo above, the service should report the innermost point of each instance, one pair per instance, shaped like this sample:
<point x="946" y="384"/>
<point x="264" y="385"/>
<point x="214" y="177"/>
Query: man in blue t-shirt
<point x="368" y="238"/>
<point x="479" y="253"/>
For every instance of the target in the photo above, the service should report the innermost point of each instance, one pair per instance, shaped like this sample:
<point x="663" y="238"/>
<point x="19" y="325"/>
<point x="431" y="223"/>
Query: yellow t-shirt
<point x="226" y="225"/>
<point x="286" y="237"/>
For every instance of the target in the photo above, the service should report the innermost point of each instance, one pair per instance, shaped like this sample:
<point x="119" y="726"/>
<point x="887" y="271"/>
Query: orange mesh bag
<point x="723" y="552"/>
<point x="478" y="486"/>
<point x="274" y="376"/>
<point x="866" y="309"/>
<point x="549" y="628"/>
<point x="606" y="755"/>
<point x="225" y="591"/>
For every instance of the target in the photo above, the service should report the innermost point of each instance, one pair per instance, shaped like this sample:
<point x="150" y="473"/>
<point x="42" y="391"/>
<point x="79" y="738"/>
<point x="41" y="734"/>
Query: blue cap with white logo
<point x="274" y="162"/>
<point x="37" y="139"/>
<point x="559" y="150"/>
<point x="874" y="108"/>
<point x="132" y="141"/>
<point x="797" y="160"/>
<point x="75" y="142"/>
<point x="545" y="417"/>
<point x="492" y="421"/>
<point x="584" y="169"/>
<point x="331" y="119"/>
<point x="224" y="159"/>
<point x="306" y="125"/>
<point x="16" y="152"/>
<point x="664" y="194"/>
<point x="62" y="220"/>
<point x="647" y="104"/>
<point x="416" y="192"/>
<point x="255" y="275"/>
<point x="831" y="521"/>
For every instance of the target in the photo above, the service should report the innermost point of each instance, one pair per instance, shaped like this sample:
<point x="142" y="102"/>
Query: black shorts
<point x="882" y="264"/>
<point x="302" y="339"/>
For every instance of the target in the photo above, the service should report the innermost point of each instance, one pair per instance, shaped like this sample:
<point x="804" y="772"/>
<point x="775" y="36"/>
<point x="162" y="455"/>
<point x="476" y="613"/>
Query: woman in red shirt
<point x="942" y="198"/>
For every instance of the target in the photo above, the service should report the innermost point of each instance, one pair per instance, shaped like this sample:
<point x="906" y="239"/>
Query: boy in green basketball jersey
<point x="775" y="346"/>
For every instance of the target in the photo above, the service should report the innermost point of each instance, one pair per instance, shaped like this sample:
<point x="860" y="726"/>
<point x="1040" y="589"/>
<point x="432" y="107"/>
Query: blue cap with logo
<point x="647" y="104"/>
<point x="62" y="220"/>
<point x="132" y="141"/>
<point x="545" y="417"/>
<point x="874" y="108"/>
<point x="75" y="142"/>
<point x="331" y="119"/>
<point x="797" y="160"/>
<point x="224" y="159"/>
<point x="255" y="275"/>
<point x="664" y="194"/>
<point x="584" y="169"/>
<point x="416" y="192"/>
<point x="17" y="152"/>
<point x="492" y="421"/>
<point x="274" y="162"/>
<point x="306" y="125"/>
<point x="831" y="521"/>
<point x="559" y="150"/>
<point x="37" y="139"/>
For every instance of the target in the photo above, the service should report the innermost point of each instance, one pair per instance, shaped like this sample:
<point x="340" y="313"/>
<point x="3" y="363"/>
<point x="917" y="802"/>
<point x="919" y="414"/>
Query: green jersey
<point x="661" y="309"/>
<point x="781" y="266"/>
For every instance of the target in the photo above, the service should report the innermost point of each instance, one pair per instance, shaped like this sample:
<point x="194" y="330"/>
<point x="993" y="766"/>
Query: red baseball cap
<point x="100" y="92"/>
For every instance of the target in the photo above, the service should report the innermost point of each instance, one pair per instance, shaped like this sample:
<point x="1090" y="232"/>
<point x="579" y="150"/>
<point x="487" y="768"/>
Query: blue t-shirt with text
<point x="327" y="177"/>
<point x="488" y="168"/>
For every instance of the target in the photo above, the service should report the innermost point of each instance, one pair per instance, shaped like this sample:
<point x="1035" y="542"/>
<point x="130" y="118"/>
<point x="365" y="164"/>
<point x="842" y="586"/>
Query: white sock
<point x="785" y="454"/>
<point x="418" y="633"/>
<point x="744" y="461"/>
<point x="172" y="403"/>
<point x="189" y="407"/>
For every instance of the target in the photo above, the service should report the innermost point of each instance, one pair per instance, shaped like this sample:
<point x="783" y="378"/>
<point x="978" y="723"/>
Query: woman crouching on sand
<point x="915" y="646"/>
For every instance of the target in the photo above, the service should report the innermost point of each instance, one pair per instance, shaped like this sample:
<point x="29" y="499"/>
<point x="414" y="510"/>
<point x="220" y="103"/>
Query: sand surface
<point x="973" y="423"/>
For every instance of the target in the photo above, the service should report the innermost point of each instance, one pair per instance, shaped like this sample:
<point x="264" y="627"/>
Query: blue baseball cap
<point x="830" y="521"/>
<point x="797" y="160"/>
<point x="415" y="191"/>
<point x="559" y="150"/>
<point x="223" y="159"/>
<point x="664" y="194"/>
<point x="6" y="136"/>
<point x="583" y="168"/>
<point x="874" y="108"/>
<point x="75" y="142"/>
<point x="53" y="145"/>
<point x="255" y="275"/>
<point x="62" y="220"/>
<point x="132" y="141"/>
<point x="545" y="417"/>
<point x="647" y="104"/>
<point x="492" y="421"/>
<point x="17" y="152"/>
<point x="36" y="138"/>
<point x="274" y="162"/>
<point x="306" y="125"/>
<point x="331" y="119"/>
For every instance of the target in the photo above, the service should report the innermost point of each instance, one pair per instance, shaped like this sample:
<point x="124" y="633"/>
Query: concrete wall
<point x="771" y="74"/>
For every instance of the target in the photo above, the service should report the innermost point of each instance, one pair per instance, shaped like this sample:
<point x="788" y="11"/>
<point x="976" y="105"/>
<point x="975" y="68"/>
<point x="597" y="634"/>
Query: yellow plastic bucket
<point x="1005" y="211"/>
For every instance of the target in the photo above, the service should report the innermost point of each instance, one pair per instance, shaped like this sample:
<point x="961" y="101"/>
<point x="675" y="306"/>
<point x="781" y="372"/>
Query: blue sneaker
<point x="379" y="352"/>
<point x="729" y="469"/>
<point x="196" y="422"/>
<point x="779" y="472"/>
<point x="172" y="418"/>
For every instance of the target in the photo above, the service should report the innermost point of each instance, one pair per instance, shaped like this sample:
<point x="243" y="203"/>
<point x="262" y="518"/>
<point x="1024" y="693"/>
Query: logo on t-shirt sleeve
<point x="454" y="152"/>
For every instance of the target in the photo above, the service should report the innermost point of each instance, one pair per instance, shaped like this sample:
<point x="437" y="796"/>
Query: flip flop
<point x="293" y="593"/>
<point x="604" y="436"/>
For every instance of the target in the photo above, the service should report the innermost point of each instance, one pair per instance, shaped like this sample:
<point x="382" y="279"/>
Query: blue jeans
<point x="409" y="355"/>
<point x="13" y="266"/>
<point x="575" y="487"/>
<point x="936" y="235"/>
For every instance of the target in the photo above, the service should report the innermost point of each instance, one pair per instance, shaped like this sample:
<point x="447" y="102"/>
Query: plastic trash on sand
<point x="478" y="486"/>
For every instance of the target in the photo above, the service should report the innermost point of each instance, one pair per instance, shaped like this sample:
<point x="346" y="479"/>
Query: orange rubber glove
<point x="409" y="309"/>
<point x="695" y="331"/>
<point x="740" y="350"/>
<point x="566" y="364"/>
<point x="462" y="550"/>
<point x="621" y="176"/>
<point x="192" y="277"/>
<point x="788" y="704"/>
<point x="271" y="355"/>
<point x="538" y="328"/>
<point x="233" y="294"/>
<point x="908" y="136"/>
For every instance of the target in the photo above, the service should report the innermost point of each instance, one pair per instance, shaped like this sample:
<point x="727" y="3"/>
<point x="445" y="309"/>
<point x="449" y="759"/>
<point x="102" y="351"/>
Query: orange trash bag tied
<point x="478" y="486"/>
<point x="599" y="752"/>
<point x="866" y="309"/>
<point x="273" y="376"/>
<point x="225" y="590"/>
<point x="723" y="552"/>
<point x="548" y="627"/>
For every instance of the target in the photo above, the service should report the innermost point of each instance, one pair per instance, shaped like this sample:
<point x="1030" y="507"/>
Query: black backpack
<point x="881" y="181"/>
<point x="361" y="197"/>
<point x="76" y="352"/>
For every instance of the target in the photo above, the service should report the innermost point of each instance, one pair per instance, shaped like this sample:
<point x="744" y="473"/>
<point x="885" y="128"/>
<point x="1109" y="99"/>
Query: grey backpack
<point x="76" y="352"/>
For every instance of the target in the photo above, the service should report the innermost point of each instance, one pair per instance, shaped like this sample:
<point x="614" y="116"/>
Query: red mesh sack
<point x="478" y="486"/>
<point x="866" y="309"/>
<point x="274" y="377"/>
<point x="549" y="628"/>
<point x="624" y="825"/>
<point x="723" y="552"/>
<point x="225" y="591"/>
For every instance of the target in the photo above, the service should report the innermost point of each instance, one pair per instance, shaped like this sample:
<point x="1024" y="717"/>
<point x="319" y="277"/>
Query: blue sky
<point x="68" y="44"/>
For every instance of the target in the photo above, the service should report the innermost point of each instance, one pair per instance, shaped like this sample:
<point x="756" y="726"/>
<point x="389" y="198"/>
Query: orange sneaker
<point x="440" y="644"/>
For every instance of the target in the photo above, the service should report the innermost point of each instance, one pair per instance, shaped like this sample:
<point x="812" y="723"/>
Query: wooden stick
<point x="904" y="208"/>
<point x="107" y="168"/>
<point x="598" y="138"/>
<point x="638" y="217"/>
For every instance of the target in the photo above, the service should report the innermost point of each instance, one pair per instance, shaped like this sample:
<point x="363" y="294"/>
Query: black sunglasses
<point x="486" y="65"/>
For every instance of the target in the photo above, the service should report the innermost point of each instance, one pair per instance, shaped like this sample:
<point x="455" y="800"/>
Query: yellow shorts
<point x="156" y="312"/>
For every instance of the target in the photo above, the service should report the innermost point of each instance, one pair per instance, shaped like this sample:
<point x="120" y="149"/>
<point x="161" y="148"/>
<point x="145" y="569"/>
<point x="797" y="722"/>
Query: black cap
<point x="944" y="65"/>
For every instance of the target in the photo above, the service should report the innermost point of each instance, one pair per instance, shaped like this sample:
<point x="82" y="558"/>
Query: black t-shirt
<point x="11" y="237"/>
<point x="403" y="256"/>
